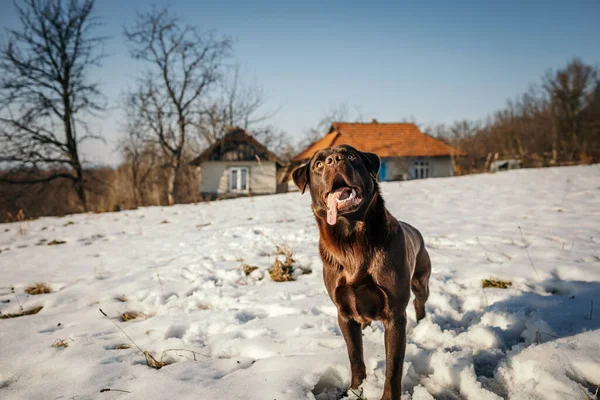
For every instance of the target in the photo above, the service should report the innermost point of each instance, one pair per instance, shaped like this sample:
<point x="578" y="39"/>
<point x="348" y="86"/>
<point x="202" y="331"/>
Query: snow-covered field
<point x="260" y="339"/>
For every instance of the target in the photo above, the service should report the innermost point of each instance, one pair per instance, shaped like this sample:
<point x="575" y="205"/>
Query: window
<point x="421" y="169"/>
<point x="238" y="179"/>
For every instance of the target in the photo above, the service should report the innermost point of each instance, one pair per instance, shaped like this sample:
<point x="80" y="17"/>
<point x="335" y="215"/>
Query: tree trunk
<point x="176" y="162"/>
<point x="172" y="179"/>
<point x="80" y="188"/>
<point x="72" y="147"/>
<point x="135" y="187"/>
<point x="554" y="140"/>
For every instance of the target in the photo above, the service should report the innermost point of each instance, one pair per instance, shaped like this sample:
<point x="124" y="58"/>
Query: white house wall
<point x="214" y="176"/>
<point x="401" y="168"/>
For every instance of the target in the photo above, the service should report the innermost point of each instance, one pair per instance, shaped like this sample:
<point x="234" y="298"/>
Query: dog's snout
<point x="334" y="158"/>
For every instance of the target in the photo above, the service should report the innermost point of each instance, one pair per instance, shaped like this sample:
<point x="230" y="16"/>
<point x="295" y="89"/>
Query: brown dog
<point x="371" y="261"/>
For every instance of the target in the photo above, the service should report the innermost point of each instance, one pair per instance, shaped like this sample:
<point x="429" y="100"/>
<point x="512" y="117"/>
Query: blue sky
<point x="434" y="61"/>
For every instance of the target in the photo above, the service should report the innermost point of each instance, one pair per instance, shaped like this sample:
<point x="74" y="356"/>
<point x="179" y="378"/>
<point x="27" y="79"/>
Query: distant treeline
<point x="107" y="189"/>
<point x="556" y="122"/>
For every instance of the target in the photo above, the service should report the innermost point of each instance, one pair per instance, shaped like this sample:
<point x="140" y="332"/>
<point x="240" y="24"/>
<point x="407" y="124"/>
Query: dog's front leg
<point x="395" y="346"/>
<point x="353" y="337"/>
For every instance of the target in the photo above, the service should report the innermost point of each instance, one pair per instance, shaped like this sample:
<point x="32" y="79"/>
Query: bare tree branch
<point x="182" y="66"/>
<point x="44" y="89"/>
<point x="235" y="105"/>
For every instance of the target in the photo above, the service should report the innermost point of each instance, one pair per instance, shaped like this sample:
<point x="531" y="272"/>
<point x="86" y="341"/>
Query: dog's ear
<point x="301" y="177"/>
<point x="372" y="163"/>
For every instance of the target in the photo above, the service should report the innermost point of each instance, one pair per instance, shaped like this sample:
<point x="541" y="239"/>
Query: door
<point x="382" y="170"/>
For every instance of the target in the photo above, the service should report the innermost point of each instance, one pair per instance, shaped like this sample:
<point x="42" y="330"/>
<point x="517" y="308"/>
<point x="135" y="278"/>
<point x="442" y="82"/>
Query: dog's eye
<point x="351" y="157"/>
<point x="318" y="164"/>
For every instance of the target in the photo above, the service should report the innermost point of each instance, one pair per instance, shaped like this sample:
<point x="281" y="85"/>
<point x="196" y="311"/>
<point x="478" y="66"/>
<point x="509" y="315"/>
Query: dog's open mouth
<point x="342" y="199"/>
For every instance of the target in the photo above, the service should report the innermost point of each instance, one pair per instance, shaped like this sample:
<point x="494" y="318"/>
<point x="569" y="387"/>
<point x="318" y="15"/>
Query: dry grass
<point x="18" y="217"/>
<point x="281" y="272"/>
<point x="60" y="344"/>
<point x="286" y="251"/>
<point x="31" y="311"/>
<point x="55" y="242"/>
<point x="132" y="315"/>
<point x="150" y="360"/>
<point x="359" y="395"/>
<point x="248" y="269"/>
<point x="38" y="288"/>
<point x="153" y="362"/>
<point x="495" y="283"/>
<point x="123" y="346"/>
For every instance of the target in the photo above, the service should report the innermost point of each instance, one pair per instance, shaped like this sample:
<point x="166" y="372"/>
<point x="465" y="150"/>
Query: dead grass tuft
<point x="132" y="315"/>
<point x="495" y="283"/>
<point x="18" y="217"/>
<point x="56" y="242"/>
<point x="165" y="222"/>
<point x="283" y="250"/>
<point x="153" y="362"/>
<point x="38" y="288"/>
<point x="123" y="346"/>
<point x="150" y="360"/>
<point x="60" y="344"/>
<point x="248" y="269"/>
<point x="281" y="272"/>
<point x="22" y="313"/>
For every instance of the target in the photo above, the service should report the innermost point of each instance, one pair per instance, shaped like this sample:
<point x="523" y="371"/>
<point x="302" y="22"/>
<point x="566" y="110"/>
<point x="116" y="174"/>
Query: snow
<point x="259" y="339"/>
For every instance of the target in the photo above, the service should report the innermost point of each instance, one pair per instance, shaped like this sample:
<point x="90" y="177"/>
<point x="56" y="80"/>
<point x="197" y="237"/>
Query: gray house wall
<point x="401" y="168"/>
<point x="214" y="176"/>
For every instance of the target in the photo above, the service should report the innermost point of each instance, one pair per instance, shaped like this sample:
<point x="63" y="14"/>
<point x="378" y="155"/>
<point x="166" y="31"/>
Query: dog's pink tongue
<point x="332" y="206"/>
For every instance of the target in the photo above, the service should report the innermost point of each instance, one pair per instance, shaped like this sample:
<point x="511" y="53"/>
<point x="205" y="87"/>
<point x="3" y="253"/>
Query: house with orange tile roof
<point x="405" y="152"/>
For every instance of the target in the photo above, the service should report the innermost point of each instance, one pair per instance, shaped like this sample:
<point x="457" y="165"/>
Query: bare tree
<point x="236" y="104"/>
<point x="571" y="91"/>
<point x="182" y="66"/>
<point x="45" y="92"/>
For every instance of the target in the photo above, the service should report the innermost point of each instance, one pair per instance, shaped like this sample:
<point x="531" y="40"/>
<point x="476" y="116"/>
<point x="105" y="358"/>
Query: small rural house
<point x="238" y="165"/>
<point x="405" y="152"/>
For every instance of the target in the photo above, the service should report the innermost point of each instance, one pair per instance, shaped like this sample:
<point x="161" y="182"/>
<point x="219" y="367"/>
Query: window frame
<point x="238" y="171"/>
<point x="421" y="169"/>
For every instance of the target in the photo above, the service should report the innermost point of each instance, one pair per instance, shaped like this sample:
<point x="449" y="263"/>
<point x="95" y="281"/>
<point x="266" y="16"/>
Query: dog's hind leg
<point x="420" y="282"/>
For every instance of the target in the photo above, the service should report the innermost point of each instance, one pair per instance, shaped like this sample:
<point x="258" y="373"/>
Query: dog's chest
<point x="363" y="301"/>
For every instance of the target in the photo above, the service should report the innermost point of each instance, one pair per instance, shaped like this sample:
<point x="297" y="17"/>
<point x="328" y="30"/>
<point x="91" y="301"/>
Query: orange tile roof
<point x="384" y="139"/>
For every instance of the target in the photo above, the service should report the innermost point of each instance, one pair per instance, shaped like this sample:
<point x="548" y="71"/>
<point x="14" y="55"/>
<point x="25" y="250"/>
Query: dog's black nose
<point x="334" y="158"/>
